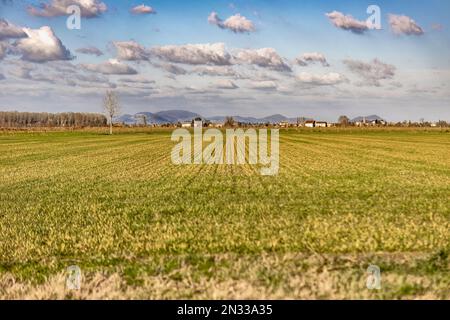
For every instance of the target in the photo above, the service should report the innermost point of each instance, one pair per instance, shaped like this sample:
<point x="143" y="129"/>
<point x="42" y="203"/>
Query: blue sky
<point x="396" y="73"/>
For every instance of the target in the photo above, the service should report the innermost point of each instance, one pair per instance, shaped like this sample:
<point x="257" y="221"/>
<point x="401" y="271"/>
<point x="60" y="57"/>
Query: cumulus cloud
<point x="226" y="84"/>
<point x="42" y="45"/>
<point x="143" y="9"/>
<point x="235" y="23"/>
<point x="131" y="51"/>
<point x="91" y="50"/>
<point x="265" y="58"/>
<point x="112" y="66"/>
<point x="10" y="31"/>
<point x="347" y="22"/>
<point x="194" y="54"/>
<point x="371" y="72"/>
<point x="404" y="25"/>
<point x="312" y="57"/>
<point x="328" y="79"/>
<point x="56" y="8"/>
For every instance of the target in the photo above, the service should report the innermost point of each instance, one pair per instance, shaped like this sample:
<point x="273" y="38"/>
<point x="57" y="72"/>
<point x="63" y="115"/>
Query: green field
<point x="141" y="227"/>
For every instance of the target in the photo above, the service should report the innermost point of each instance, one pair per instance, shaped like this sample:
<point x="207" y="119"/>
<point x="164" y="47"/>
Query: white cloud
<point x="137" y="79"/>
<point x="226" y="84"/>
<point x="10" y="31"/>
<point x="59" y="72"/>
<point x="41" y="45"/>
<point x="143" y="9"/>
<point x="131" y="50"/>
<point x="215" y="71"/>
<point x="265" y="58"/>
<point x="92" y="78"/>
<point x="171" y="68"/>
<point x="331" y="78"/>
<point x="89" y="8"/>
<point x="91" y="50"/>
<point x="404" y="25"/>
<point x="263" y="85"/>
<point x="22" y="71"/>
<point x="371" y="72"/>
<point x="112" y="66"/>
<point x="194" y="54"/>
<point x="312" y="57"/>
<point x="235" y="23"/>
<point x="347" y="22"/>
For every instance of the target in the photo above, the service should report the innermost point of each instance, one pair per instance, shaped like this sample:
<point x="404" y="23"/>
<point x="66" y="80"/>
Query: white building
<point x="198" y="123"/>
<point x="310" y="124"/>
<point x="284" y="124"/>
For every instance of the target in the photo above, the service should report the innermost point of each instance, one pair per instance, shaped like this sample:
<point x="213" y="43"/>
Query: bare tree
<point x="301" y="121"/>
<point x="43" y="119"/>
<point x="111" y="107"/>
<point x="229" y="122"/>
<point x="343" y="120"/>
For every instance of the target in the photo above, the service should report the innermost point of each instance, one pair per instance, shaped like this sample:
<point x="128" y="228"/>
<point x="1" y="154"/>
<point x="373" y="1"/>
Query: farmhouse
<point x="378" y="122"/>
<point x="310" y="123"/>
<point x="369" y="121"/>
<point x="321" y="124"/>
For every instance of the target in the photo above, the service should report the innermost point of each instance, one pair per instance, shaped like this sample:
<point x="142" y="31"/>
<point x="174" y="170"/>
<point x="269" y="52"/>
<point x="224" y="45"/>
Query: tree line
<point x="14" y="119"/>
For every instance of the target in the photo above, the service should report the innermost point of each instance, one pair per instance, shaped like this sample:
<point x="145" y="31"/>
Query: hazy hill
<point x="368" y="118"/>
<point x="169" y="116"/>
<point x="276" y="118"/>
<point x="174" y="116"/>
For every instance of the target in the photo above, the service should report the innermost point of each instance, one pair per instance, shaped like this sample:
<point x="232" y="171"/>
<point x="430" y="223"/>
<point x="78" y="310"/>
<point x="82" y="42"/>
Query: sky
<point x="312" y="58"/>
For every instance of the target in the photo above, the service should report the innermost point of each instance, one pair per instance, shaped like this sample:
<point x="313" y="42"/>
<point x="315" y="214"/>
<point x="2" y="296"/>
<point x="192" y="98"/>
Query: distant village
<point x="230" y="122"/>
<point x="369" y="121"/>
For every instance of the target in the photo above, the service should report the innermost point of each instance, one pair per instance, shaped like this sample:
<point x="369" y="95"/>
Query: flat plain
<point x="140" y="227"/>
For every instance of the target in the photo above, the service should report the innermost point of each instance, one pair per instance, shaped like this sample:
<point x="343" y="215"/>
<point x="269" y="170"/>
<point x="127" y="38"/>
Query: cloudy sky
<point x="314" y="58"/>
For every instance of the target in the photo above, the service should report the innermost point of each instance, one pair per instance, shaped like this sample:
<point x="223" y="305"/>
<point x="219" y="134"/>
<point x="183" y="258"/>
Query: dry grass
<point x="263" y="277"/>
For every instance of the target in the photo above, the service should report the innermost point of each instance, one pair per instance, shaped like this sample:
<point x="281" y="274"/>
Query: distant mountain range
<point x="276" y="118"/>
<point x="175" y="116"/>
<point x="161" y="117"/>
<point x="367" y="118"/>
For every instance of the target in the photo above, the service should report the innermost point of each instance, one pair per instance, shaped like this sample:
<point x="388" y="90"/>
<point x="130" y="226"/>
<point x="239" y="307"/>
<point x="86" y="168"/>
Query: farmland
<point x="140" y="227"/>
